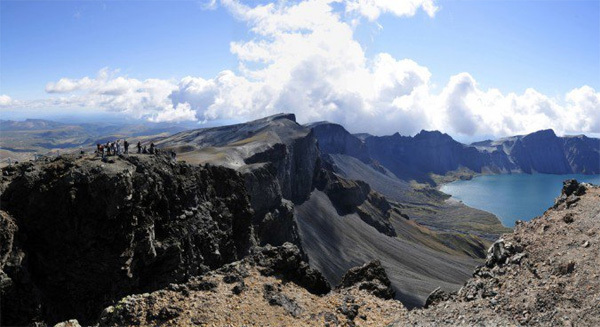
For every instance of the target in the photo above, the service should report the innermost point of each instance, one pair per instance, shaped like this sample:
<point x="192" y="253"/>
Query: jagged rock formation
<point x="242" y="293"/>
<point x="370" y="277"/>
<point x="90" y="233"/>
<point x="277" y="158"/>
<point x="353" y="196"/>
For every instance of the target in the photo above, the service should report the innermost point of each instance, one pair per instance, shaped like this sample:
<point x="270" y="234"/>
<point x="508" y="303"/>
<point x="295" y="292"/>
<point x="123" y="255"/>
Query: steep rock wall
<point x="91" y="232"/>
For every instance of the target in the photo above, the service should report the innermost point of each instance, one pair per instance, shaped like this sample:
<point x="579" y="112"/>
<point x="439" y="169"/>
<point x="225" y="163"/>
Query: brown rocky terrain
<point x="257" y="291"/>
<point x="545" y="273"/>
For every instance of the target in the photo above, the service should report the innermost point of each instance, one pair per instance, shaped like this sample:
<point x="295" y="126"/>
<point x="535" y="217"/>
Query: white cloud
<point x="372" y="9"/>
<point x="108" y="91"/>
<point x="182" y="112"/>
<point x="303" y="58"/>
<point x="5" y="100"/>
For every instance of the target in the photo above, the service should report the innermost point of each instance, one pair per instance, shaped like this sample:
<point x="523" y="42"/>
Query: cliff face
<point x="433" y="152"/>
<point x="334" y="139"/>
<point x="541" y="152"/>
<point x="89" y="233"/>
<point x="583" y="153"/>
<point x="277" y="158"/>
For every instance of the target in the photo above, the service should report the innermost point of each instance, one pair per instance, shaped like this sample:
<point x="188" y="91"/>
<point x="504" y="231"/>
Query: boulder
<point x="370" y="277"/>
<point x="435" y="297"/>
<point x="288" y="262"/>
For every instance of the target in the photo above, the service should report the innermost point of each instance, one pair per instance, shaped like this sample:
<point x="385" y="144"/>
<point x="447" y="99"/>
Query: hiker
<point x="144" y="151"/>
<point x="118" y="144"/>
<point x="107" y="146"/>
<point x="152" y="148"/>
<point x="139" y="146"/>
<point x="98" y="151"/>
<point x="113" y="147"/>
<point x="126" y="146"/>
<point x="102" y="151"/>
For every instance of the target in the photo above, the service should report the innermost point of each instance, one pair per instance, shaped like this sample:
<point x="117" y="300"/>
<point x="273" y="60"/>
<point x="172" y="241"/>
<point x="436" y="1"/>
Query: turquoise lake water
<point x="512" y="197"/>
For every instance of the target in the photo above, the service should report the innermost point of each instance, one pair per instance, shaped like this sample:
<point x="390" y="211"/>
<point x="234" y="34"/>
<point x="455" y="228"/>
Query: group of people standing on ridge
<point x="118" y="148"/>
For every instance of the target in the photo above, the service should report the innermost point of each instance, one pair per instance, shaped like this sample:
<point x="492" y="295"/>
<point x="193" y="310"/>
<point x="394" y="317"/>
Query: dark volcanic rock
<point x="355" y="196"/>
<point x="287" y="261"/>
<point x="437" y="296"/>
<point x="371" y="277"/>
<point x="275" y="297"/>
<point x="570" y="193"/>
<point x="92" y="233"/>
<point x="346" y="195"/>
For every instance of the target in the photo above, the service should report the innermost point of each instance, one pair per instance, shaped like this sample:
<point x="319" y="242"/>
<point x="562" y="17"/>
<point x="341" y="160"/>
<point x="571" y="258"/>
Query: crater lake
<point x="512" y="197"/>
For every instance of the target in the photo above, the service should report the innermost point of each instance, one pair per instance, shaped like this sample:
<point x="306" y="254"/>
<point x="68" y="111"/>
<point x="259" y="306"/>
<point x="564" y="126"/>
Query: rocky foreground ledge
<point x="545" y="273"/>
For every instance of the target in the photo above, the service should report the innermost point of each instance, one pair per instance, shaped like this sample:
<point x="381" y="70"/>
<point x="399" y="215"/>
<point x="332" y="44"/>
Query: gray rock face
<point x="334" y="139"/>
<point x="541" y="152"/>
<point x="354" y="196"/>
<point x="583" y="153"/>
<point x="89" y="234"/>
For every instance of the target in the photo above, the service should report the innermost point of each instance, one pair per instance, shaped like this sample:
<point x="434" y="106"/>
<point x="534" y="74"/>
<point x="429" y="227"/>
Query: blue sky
<point x="550" y="46"/>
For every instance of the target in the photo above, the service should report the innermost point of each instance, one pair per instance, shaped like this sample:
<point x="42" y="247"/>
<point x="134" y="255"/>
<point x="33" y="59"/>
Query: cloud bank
<point x="304" y="58"/>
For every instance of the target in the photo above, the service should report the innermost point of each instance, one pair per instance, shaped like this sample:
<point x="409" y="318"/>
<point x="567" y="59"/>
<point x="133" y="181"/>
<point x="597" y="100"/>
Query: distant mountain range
<point x="434" y="152"/>
<point x="20" y="140"/>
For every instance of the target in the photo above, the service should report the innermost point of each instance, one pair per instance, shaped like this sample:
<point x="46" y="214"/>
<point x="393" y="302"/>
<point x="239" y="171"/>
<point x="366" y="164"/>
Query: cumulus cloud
<point x="303" y="57"/>
<point x="372" y="9"/>
<point x="108" y="91"/>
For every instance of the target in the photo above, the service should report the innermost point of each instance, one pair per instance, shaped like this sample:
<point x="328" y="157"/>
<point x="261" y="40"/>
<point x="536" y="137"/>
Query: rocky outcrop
<point x="354" y="196"/>
<point x="570" y="194"/>
<point x="370" y="277"/>
<point x="286" y="261"/>
<point x="90" y="233"/>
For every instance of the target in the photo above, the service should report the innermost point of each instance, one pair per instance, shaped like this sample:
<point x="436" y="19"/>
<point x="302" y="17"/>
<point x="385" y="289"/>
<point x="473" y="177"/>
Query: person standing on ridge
<point x="126" y="146"/>
<point x="139" y="146"/>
